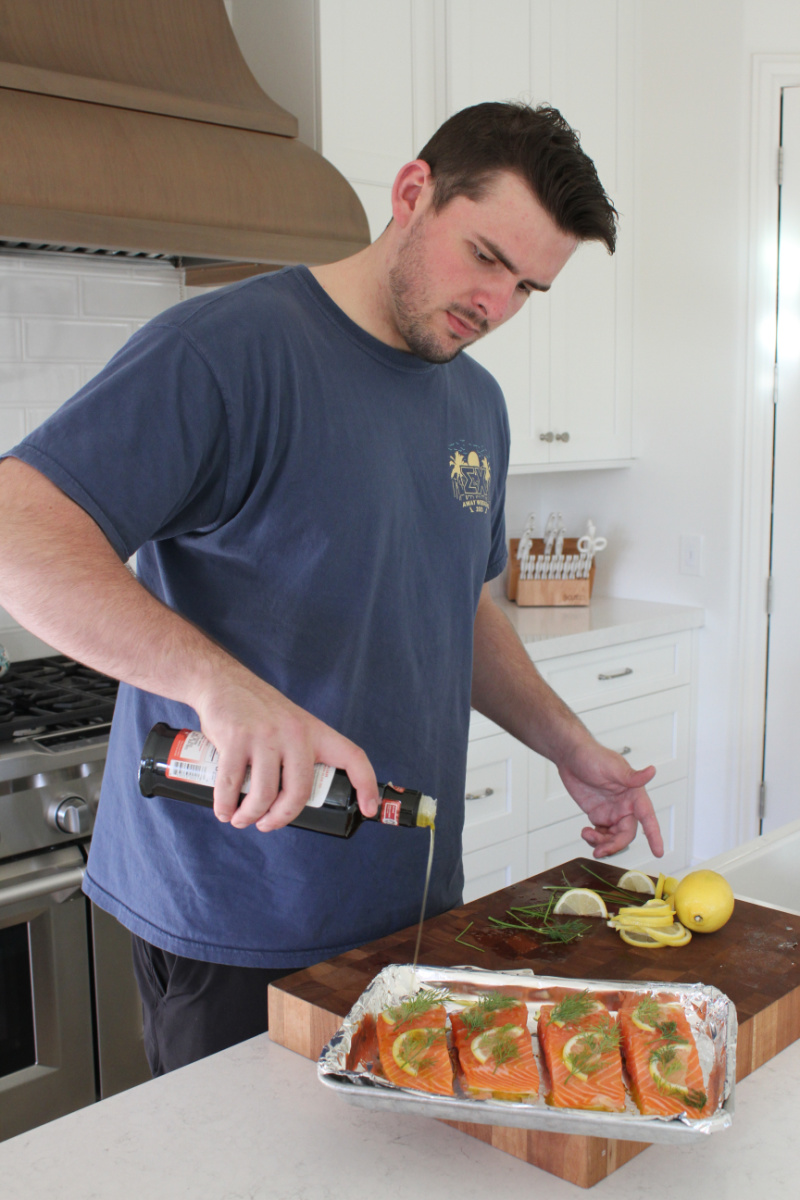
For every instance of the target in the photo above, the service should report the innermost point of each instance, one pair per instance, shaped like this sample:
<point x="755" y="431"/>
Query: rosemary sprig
<point x="460" y="939"/>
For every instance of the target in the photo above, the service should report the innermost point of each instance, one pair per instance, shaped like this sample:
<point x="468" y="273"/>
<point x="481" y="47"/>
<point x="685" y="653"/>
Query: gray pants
<point x="192" y="1008"/>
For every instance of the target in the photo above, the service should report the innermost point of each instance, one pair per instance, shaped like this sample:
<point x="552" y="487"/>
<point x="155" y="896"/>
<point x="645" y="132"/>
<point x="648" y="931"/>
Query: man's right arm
<point x="61" y="579"/>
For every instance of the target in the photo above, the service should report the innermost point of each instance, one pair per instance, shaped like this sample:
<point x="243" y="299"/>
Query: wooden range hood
<point x="136" y="126"/>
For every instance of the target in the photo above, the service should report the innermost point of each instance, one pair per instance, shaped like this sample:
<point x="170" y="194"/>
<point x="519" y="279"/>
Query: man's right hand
<point x="253" y="725"/>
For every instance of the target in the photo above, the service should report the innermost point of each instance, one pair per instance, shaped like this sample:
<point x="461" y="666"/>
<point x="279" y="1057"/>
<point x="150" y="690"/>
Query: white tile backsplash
<point x="61" y="319"/>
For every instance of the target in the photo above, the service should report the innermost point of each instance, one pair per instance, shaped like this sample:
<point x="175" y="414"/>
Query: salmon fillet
<point x="412" y="1045"/>
<point x="495" y="1055"/>
<point x="580" y="1042"/>
<point x="661" y="1057"/>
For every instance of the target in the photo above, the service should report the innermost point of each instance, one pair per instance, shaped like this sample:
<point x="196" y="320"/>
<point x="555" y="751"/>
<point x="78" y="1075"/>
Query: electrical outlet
<point x="691" y="554"/>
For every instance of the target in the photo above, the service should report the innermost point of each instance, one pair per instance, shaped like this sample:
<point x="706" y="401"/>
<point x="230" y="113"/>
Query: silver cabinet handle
<point x="562" y="437"/>
<point x="43" y="885"/>
<point x="625" y="750"/>
<point x="479" y="795"/>
<point x="617" y="674"/>
<point x="546" y="437"/>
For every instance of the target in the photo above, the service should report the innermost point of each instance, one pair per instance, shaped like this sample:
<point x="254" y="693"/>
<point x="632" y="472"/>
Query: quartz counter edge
<point x="607" y="621"/>
<point x="254" y="1121"/>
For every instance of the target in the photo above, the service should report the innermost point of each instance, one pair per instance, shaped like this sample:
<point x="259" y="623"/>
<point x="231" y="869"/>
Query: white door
<point x="782" y="737"/>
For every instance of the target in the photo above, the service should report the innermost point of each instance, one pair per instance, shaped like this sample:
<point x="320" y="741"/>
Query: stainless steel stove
<point x="70" y="1019"/>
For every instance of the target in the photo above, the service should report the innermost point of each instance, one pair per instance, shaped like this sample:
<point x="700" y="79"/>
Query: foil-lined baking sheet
<point x="346" y="1064"/>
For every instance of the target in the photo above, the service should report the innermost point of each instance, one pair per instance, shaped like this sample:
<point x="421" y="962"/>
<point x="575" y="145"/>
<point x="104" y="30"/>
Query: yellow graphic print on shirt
<point x="470" y="475"/>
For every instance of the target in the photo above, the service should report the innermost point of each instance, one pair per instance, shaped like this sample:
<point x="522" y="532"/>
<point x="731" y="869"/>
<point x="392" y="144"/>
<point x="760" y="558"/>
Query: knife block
<point x="546" y="593"/>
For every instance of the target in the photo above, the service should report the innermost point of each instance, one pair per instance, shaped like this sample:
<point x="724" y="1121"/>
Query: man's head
<point x="471" y="148"/>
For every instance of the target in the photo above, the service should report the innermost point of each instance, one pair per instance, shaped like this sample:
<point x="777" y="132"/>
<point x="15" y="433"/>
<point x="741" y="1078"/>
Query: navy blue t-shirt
<point x="327" y="508"/>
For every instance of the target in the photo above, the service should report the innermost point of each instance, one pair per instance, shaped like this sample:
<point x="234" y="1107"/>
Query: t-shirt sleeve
<point x="498" y="555"/>
<point x="144" y="447"/>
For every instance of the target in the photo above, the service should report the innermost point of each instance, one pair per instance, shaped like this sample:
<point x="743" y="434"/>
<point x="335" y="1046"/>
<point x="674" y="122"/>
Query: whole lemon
<point x="703" y="901"/>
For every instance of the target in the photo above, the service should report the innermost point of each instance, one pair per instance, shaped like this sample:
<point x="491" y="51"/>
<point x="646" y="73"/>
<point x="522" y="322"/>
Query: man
<point x="311" y="585"/>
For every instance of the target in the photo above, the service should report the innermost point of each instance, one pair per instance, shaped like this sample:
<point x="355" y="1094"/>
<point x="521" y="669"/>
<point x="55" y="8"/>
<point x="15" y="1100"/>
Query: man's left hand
<point x="613" y="796"/>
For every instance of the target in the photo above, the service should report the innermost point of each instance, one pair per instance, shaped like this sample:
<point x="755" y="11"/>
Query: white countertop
<point x="255" y="1122"/>
<point x="607" y="621"/>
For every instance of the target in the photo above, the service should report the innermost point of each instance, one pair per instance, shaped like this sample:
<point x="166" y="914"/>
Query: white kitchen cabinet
<point x="636" y="696"/>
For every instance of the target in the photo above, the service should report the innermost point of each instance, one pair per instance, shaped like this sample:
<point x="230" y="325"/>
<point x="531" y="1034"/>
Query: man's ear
<point x="413" y="187"/>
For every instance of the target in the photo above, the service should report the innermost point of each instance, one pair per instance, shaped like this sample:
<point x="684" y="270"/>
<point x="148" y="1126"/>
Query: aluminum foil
<point x="344" y="1064"/>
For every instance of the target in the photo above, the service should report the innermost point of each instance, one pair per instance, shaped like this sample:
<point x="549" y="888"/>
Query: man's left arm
<point x="507" y="688"/>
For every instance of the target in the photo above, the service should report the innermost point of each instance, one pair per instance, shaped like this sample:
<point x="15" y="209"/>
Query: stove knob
<point x="73" y="815"/>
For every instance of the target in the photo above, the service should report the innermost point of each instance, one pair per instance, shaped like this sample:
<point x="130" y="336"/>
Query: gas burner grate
<point x="40" y="693"/>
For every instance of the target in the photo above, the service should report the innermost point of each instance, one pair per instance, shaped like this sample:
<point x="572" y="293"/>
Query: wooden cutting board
<point x="754" y="959"/>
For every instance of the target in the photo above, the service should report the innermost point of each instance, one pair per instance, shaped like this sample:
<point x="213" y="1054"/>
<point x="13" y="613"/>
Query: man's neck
<point x="357" y="285"/>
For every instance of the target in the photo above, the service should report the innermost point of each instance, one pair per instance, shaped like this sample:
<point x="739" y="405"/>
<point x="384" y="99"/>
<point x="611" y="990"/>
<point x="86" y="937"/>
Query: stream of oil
<point x="424" y="898"/>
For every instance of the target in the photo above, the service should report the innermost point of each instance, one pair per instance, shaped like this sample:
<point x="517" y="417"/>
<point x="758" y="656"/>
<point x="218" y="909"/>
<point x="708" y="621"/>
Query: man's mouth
<point x="463" y="328"/>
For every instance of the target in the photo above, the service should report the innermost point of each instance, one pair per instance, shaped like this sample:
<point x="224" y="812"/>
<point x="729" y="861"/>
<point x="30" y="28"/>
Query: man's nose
<point x="496" y="303"/>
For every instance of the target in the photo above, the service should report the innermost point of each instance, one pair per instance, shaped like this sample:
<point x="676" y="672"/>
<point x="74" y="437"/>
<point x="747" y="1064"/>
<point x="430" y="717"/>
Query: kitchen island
<point x="255" y="1122"/>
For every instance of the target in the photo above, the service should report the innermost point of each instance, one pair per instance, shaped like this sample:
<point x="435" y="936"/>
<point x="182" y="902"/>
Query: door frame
<point x="771" y="73"/>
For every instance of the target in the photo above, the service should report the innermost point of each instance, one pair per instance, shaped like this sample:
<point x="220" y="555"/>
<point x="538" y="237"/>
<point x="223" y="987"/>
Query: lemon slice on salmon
<point x="582" y="902"/>
<point x="409" y="1049"/>
<point x="570" y="1053"/>
<point x="483" y="1045"/>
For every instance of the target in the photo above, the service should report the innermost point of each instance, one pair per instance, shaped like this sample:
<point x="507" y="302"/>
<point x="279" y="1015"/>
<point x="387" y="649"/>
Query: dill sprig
<point x="572" y="1008"/>
<point x="460" y="939"/>
<point x="593" y="1045"/>
<point x="478" y="1015"/>
<point x="668" y="1032"/>
<point x="500" y="1045"/>
<point x="696" y="1099"/>
<point x="414" y="1006"/>
<point x="416" y="1043"/>
<point x="648" y="1011"/>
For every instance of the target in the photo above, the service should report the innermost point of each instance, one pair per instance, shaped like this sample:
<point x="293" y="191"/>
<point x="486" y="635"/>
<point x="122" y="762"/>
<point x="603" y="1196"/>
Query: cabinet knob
<point x="546" y="437"/>
<point x="562" y="437"/>
<point x="625" y="750"/>
<point x="481" y="795"/>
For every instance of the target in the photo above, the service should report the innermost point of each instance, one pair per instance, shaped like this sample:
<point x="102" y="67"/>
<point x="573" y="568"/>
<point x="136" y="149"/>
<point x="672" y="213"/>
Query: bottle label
<point x="194" y="758"/>
<point x="390" y="812"/>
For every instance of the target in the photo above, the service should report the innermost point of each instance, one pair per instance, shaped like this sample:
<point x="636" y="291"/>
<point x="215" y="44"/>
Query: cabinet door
<point x="649" y="730"/>
<point x="494" y="867"/>
<point x="595" y="678"/>
<point x="496" y="791"/>
<point x="560" y="842"/>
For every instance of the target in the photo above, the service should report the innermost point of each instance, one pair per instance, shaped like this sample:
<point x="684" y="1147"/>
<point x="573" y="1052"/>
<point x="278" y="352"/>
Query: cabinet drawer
<point x="494" y="867"/>
<point x="597" y="677"/>
<point x="652" y="730"/>
<point x="496" y="805"/>
<point x="560" y="842"/>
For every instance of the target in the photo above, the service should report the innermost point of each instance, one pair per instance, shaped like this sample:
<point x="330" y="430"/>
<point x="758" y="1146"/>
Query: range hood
<point x="135" y="127"/>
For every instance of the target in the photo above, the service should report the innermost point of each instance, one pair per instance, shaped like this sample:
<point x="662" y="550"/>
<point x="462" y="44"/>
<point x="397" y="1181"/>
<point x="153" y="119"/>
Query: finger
<point x="607" y="840"/>
<point x="231" y="773"/>
<point x="648" y="820"/>
<point x="296" y="786"/>
<point x="265" y="782"/>
<point x="343" y="753"/>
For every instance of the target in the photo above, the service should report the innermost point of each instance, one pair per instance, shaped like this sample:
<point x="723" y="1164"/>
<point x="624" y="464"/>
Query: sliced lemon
<point x="676" y="935"/>
<point x="670" y="885"/>
<point x="482" y="1046"/>
<point x="662" y="879"/>
<point x="637" y="881"/>
<point x="408" y="1049"/>
<point x="582" y="902"/>
<point x="638" y="937"/>
<point x="568" y="1055"/>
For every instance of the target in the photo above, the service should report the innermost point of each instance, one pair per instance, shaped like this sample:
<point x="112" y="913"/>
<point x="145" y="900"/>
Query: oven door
<point x="46" y="1043"/>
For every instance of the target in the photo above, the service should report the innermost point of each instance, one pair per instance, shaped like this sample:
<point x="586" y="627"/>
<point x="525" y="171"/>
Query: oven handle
<point x="44" y="885"/>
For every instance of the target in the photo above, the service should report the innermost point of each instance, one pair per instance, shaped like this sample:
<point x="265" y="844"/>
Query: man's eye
<point x="481" y="256"/>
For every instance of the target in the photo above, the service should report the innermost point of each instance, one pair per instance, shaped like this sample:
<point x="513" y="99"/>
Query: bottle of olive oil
<point x="181" y="764"/>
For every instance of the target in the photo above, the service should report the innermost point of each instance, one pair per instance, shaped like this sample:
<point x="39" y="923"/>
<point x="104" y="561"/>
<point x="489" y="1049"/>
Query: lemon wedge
<point x="582" y="902"/>
<point x="637" y="881"/>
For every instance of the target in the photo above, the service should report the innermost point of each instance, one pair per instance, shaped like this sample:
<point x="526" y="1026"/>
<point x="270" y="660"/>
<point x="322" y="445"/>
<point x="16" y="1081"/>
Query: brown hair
<point x="470" y="148"/>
